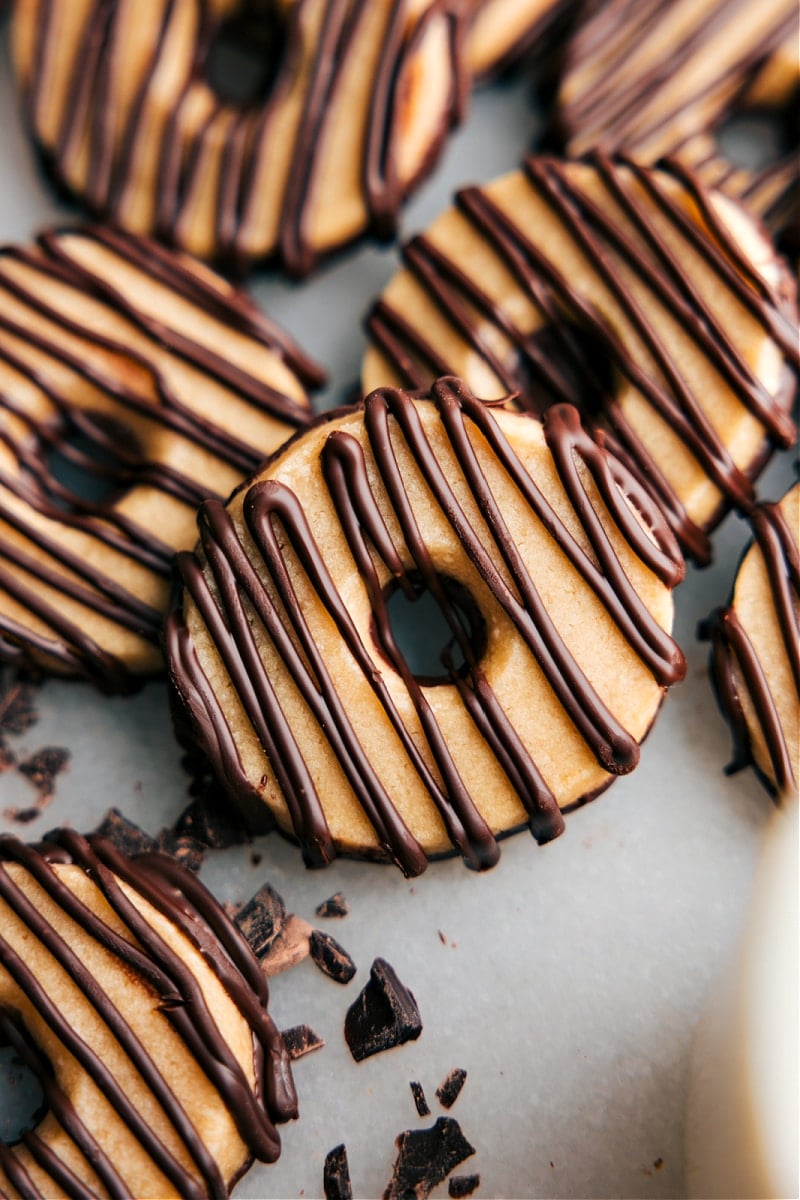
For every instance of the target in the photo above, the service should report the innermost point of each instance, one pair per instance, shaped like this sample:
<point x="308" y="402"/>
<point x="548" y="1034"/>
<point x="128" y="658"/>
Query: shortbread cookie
<point x="658" y="308"/>
<point x="502" y="31"/>
<point x="118" y="98"/>
<point x="133" y="384"/>
<point x="651" y="80"/>
<point x="143" y="1012"/>
<point x="755" y="656"/>
<point x="550" y="566"/>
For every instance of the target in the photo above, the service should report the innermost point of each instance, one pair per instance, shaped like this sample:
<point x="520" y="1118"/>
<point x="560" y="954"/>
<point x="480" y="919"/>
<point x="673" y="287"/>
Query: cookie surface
<point x="560" y="280"/>
<point x="555" y="598"/>
<point x="755" y="657"/>
<point x="143" y="1013"/>
<point x="133" y="384"/>
<point x="501" y="31"/>
<point x="120" y="100"/>
<point x="650" y="80"/>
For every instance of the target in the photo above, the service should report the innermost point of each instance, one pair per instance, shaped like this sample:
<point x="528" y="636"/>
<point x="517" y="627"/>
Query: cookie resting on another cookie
<point x="553" y="573"/>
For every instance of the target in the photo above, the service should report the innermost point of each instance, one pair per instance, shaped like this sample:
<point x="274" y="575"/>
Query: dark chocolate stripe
<point x="269" y="506"/>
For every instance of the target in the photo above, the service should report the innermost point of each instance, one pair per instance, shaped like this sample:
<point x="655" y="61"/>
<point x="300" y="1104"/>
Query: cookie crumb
<point x="384" y="1015"/>
<point x="336" y="1175"/>
<point x="331" y="958"/>
<point x="300" y="1040"/>
<point x="426" y="1157"/>
<point x="420" y="1103"/>
<point x="334" y="906"/>
<point x="449" y="1089"/>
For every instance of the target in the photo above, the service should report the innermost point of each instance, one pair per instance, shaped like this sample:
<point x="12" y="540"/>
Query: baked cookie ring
<point x="661" y="310"/>
<point x="755" y="649"/>
<point x="143" y="1013"/>
<point x="651" y="80"/>
<point x="502" y="31"/>
<point x="552" y="572"/>
<point x="134" y="383"/>
<point x="118" y="99"/>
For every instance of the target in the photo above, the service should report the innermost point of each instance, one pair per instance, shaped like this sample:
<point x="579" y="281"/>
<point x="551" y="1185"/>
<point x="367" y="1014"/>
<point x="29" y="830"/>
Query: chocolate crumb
<point x="462" y="1185"/>
<point x="43" y="767"/>
<point x="300" y="1040"/>
<point x="334" y="906"/>
<point x="426" y="1157"/>
<point x="255" y="858"/>
<point x="385" y="1014"/>
<point x="124" y="834"/>
<point x="442" y="937"/>
<point x="261" y="919"/>
<point x="658" y="1163"/>
<point x="449" y="1089"/>
<point x="336" y="1175"/>
<point x="420" y="1103"/>
<point x="331" y="958"/>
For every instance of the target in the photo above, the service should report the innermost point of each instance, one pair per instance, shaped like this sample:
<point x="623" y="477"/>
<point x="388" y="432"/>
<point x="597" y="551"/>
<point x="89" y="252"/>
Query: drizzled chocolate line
<point x="621" y="114"/>
<point x="196" y="914"/>
<point x="36" y="487"/>
<point x="608" y="246"/>
<point x="264" y="585"/>
<point x="734" y="658"/>
<point x="88" y="122"/>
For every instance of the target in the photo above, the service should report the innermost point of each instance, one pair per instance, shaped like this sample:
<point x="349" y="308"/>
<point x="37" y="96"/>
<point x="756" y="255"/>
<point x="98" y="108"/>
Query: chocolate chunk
<point x="17" y="710"/>
<point x="261" y="919"/>
<point x="449" y="1089"/>
<point x="420" y="1103"/>
<point x="186" y="850"/>
<point x="43" y="767"/>
<point x="212" y="824"/>
<point x="384" y="1015"/>
<point x="336" y="1175"/>
<point x="124" y="835"/>
<point x="334" y="906"/>
<point x="300" y="1040"/>
<point x="330" y="957"/>
<point x="462" y="1185"/>
<point x="426" y="1157"/>
<point x="289" y="948"/>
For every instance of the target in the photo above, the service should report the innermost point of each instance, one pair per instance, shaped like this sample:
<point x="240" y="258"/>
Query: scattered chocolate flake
<point x="43" y="767"/>
<point x="331" y="958"/>
<point x="124" y="835"/>
<point x="420" y="1103"/>
<point x="17" y="710"/>
<point x="426" y="1157"/>
<point x="289" y="948"/>
<point x="658" y="1163"/>
<point x="336" y="1175"/>
<point x="23" y="816"/>
<point x="449" y="1089"/>
<point x="384" y="1015"/>
<point x="442" y="937"/>
<point x="334" y="906"/>
<point x="214" y="825"/>
<point x="462" y="1185"/>
<point x="255" y="858"/>
<point x="186" y="850"/>
<point x="261" y="919"/>
<point x="300" y="1040"/>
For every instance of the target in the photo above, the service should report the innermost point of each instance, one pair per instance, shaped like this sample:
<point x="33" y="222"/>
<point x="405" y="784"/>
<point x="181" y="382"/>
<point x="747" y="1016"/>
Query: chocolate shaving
<point x="449" y="1089"/>
<point x="336" y="1175"/>
<point x="462" y="1185"/>
<point x="426" y="1157"/>
<point x="420" y="1103"/>
<point x="300" y="1040"/>
<point x="334" y="906"/>
<point x="261" y="920"/>
<point x="331" y="958"/>
<point x="385" y="1014"/>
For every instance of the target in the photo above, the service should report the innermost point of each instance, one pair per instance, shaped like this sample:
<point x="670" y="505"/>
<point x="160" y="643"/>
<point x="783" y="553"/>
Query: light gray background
<point x="569" y="980"/>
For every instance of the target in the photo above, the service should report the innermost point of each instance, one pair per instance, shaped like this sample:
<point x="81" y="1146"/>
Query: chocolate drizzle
<point x="144" y="157"/>
<point x="614" y="247"/>
<point x="238" y="581"/>
<point x="619" y="94"/>
<point x="186" y="903"/>
<point x="105" y="442"/>
<point x="735" y="664"/>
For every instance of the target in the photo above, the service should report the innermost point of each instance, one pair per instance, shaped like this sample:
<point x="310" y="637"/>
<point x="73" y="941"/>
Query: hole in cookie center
<point x="22" y="1104"/>
<point x="572" y="359"/>
<point x="89" y="467"/>
<point x="755" y="140"/>
<point x="242" y="62"/>
<point x="424" y="636"/>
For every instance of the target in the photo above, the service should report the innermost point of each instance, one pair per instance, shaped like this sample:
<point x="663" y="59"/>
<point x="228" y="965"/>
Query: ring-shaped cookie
<point x="502" y="31"/>
<point x="118" y="99"/>
<point x="651" y="80"/>
<point x="143" y="1012"/>
<point x="552" y="571"/>
<point x="658" y="308"/>
<point x="132" y="370"/>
